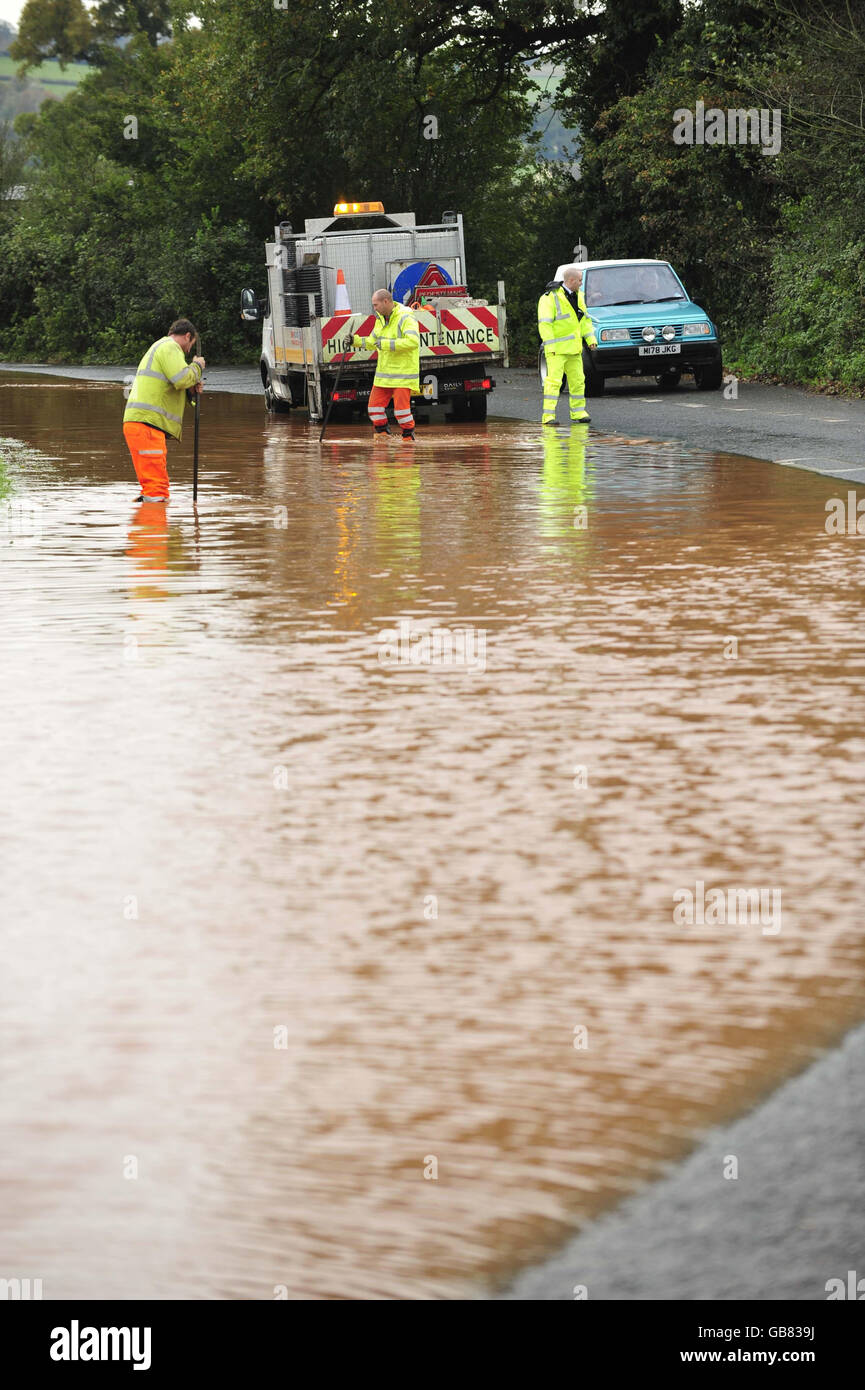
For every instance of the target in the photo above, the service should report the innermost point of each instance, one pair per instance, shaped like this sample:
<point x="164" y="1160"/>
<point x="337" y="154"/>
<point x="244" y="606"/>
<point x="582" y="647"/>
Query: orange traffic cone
<point x="342" y="308"/>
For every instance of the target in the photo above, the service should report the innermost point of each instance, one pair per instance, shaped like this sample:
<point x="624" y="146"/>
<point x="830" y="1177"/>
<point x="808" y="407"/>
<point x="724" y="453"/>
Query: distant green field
<point x="47" y="73"/>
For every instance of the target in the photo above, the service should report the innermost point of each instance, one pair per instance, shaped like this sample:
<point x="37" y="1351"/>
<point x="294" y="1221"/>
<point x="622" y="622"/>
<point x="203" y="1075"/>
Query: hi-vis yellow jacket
<point x="562" y="330"/>
<point x="158" y="393"/>
<point x="398" y="344"/>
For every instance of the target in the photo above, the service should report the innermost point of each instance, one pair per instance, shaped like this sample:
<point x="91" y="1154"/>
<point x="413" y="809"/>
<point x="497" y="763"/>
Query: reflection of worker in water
<point x="564" y="325"/>
<point x="155" y="553"/>
<point x="396" y="495"/>
<point x="147" y="548"/>
<point x="154" y="411"/>
<point x="566" y="491"/>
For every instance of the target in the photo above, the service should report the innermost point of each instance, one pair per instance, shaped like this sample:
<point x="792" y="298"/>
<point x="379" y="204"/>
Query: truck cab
<point x="646" y="324"/>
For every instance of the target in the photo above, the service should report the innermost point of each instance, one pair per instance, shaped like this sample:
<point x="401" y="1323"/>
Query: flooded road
<point x="349" y="828"/>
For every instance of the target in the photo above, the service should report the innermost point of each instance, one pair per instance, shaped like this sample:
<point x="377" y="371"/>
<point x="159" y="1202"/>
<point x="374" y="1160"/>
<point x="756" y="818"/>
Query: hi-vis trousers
<point x="571" y="367"/>
<point x="149" y="450"/>
<point x="377" y="408"/>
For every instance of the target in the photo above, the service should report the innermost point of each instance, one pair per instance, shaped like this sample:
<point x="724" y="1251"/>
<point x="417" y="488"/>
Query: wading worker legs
<point x="379" y="397"/>
<point x="156" y="404"/>
<point x="396" y="339"/>
<point x="564" y="325"/>
<point x="149" y="449"/>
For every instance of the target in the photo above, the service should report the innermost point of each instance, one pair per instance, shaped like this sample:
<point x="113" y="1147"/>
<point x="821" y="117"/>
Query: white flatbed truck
<point x="306" y="336"/>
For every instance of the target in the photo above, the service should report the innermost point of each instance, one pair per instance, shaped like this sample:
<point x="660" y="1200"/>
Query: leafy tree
<point x="69" y="32"/>
<point x="11" y="164"/>
<point x="629" y="36"/>
<point x="60" y="29"/>
<point x="116" y="19"/>
<point x="816" y="74"/>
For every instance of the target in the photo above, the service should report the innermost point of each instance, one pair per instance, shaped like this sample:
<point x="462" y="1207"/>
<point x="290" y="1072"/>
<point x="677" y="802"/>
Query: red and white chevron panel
<point x="454" y="333"/>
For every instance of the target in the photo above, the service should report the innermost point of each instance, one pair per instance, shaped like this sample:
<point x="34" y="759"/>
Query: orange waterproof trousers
<point x="378" y="399"/>
<point x="149" y="450"/>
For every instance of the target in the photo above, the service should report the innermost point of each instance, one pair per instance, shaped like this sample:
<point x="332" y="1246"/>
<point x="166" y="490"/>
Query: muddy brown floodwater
<point x="334" y="970"/>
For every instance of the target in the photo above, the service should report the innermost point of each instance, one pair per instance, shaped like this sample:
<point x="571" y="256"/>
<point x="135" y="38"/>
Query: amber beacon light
<point x="349" y="209"/>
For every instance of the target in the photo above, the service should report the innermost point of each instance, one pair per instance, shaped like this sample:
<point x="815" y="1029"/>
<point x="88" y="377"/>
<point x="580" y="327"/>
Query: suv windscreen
<point x="631" y="284"/>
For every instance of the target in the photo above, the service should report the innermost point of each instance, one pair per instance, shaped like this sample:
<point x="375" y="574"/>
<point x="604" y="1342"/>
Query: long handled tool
<point x="195" y="437"/>
<point x="332" y="395"/>
<point x="346" y="328"/>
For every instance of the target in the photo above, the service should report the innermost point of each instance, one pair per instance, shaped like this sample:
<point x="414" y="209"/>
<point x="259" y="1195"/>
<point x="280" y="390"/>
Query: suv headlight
<point x="697" y="330"/>
<point x="649" y="334"/>
<point x="668" y="333"/>
<point x="615" y="335"/>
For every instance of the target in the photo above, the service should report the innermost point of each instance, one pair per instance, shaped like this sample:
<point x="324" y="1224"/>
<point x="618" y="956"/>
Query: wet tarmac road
<point x="786" y="425"/>
<point x="789" y="1222"/>
<point x="311" y="895"/>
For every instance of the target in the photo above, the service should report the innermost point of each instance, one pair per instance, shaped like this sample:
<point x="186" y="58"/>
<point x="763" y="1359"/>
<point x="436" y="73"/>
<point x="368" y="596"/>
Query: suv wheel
<point x="709" y="378"/>
<point x="594" y="380"/>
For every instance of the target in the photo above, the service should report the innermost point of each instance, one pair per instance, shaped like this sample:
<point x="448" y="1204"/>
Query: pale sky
<point x="10" y="10"/>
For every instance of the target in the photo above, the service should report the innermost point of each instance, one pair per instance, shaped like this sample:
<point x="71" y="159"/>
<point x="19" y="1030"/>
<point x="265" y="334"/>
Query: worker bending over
<point x="564" y="325"/>
<point x="156" y="403"/>
<point x="396" y="339"/>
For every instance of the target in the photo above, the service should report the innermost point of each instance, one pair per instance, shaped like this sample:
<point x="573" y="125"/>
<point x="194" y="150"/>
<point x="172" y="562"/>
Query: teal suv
<point x="647" y="325"/>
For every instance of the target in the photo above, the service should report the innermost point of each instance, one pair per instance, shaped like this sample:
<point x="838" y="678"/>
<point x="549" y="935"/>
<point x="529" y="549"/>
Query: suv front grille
<point x="637" y="333"/>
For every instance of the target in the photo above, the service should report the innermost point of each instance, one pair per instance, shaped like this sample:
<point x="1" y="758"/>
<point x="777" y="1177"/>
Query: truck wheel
<point x="272" y="404"/>
<point x="709" y="378"/>
<point x="594" y="380"/>
<point x="477" y="407"/>
<point x="459" y="409"/>
<point x="669" y="381"/>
